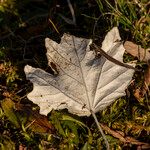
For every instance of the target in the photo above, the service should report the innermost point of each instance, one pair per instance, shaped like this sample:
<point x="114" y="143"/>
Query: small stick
<point x="103" y="53"/>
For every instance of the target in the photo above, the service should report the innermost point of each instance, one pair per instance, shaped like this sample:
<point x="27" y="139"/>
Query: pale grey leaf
<point x="83" y="83"/>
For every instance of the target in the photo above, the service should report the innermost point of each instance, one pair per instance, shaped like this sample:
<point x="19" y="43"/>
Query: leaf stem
<point x="100" y="130"/>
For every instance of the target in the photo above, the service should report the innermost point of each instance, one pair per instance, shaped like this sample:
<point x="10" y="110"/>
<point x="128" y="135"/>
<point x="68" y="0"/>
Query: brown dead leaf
<point x="147" y="76"/>
<point x="138" y="94"/>
<point x="1" y="68"/>
<point x="146" y="81"/>
<point x="35" y="121"/>
<point x="137" y="51"/>
<point x="22" y="147"/>
<point x="40" y="124"/>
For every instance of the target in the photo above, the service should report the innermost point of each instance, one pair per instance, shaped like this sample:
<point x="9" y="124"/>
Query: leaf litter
<point x="142" y="55"/>
<point x="83" y="83"/>
<point x="137" y="51"/>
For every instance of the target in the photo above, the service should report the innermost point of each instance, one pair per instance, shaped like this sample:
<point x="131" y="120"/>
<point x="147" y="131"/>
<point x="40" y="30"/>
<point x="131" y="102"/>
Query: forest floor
<point x="24" y="25"/>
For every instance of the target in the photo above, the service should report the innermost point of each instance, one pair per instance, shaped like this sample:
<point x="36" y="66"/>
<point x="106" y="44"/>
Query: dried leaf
<point x="138" y="95"/>
<point x="40" y="124"/>
<point x="34" y="121"/>
<point x="147" y="76"/>
<point x="22" y="147"/>
<point x="140" y="92"/>
<point x="137" y="51"/>
<point x="146" y="81"/>
<point x="84" y="83"/>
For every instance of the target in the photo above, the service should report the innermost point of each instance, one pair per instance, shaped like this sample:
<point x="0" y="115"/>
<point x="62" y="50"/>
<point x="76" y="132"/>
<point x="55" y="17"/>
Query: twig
<point x="103" y="53"/>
